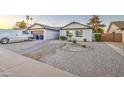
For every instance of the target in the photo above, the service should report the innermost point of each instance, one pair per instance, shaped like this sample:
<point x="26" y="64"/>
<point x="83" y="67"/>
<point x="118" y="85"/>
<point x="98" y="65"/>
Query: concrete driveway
<point x="15" y="65"/>
<point x="24" y="46"/>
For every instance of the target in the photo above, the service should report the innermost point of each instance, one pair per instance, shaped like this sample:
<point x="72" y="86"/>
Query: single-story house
<point x="117" y="27"/>
<point x="44" y="32"/>
<point x="79" y="31"/>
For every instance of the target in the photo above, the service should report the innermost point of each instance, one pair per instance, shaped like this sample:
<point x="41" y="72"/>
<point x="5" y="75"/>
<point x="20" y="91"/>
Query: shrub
<point x="62" y="38"/>
<point x="85" y="40"/>
<point x="69" y="35"/>
<point x="74" y="41"/>
<point x="84" y="46"/>
<point x="97" y="37"/>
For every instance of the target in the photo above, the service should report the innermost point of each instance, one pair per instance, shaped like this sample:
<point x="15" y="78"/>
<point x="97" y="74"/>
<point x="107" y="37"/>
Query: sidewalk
<point x="117" y="48"/>
<point x="15" y="65"/>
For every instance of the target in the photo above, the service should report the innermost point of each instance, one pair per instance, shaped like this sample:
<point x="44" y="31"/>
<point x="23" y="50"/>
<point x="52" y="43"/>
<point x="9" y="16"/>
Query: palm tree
<point x="27" y="18"/>
<point x="96" y="24"/>
<point x="31" y="19"/>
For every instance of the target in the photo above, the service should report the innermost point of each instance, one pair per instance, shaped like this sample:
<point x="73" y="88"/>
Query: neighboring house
<point x="44" y="32"/>
<point x="79" y="31"/>
<point x="117" y="27"/>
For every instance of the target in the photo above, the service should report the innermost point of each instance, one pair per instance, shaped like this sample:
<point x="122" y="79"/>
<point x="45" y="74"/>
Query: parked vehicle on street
<point x="7" y="36"/>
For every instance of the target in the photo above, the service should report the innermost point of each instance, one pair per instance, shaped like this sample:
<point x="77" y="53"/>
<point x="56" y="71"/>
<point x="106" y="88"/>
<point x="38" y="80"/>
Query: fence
<point x="112" y="37"/>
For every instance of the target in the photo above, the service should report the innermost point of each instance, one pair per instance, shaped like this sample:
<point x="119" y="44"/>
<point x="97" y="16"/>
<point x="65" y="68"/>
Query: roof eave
<point x="77" y="23"/>
<point x="74" y="28"/>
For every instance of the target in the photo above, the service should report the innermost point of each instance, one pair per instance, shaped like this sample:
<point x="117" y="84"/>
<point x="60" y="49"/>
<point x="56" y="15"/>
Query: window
<point x="79" y="33"/>
<point x="24" y="32"/>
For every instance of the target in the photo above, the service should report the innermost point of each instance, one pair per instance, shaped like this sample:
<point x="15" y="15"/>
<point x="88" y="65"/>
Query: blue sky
<point x="6" y="21"/>
<point x="65" y="19"/>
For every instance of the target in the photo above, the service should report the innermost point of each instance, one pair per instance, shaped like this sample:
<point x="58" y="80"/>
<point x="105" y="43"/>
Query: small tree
<point x="69" y="35"/>
<point x="23" y="24"/>
<point x="20" y="25"/>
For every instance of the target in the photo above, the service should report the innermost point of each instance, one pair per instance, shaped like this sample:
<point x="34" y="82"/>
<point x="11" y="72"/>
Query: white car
<point x="7" y="36"/>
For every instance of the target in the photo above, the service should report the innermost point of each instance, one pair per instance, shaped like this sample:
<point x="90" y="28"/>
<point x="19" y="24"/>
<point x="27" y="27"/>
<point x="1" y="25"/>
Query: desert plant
<point x="98" y="37"/>
<point x="85" y="40"/>
<point x="84" y="46"/>
<point x="62" y="37"/>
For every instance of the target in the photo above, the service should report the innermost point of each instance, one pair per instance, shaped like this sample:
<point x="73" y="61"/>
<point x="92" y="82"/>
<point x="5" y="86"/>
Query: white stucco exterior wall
<point x="75" y="26"/>
<point x="115" y="29"/>
<point x="50" y="34"/>
<point x="62" y="32"/>
<point x="87" y="33"/>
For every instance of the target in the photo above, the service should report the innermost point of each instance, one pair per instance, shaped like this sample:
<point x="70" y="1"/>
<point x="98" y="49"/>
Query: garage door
<point x="50" y="35"/>
<point x="37" y="33"/>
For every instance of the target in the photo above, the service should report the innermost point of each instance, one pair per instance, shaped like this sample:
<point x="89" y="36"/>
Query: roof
<point x="119" y="24"/>
<point x="44" y="27"/>
<point x="85" y="26"/>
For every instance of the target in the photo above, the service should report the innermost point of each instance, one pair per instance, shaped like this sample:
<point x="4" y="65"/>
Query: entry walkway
<point x="15" y="65"/>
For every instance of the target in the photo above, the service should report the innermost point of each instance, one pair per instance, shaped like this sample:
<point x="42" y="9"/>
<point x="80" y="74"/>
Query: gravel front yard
<point x="98" y="59"/>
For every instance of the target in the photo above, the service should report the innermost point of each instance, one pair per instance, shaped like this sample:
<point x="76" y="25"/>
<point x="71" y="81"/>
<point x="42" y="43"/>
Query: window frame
<point x="79" y="33"/>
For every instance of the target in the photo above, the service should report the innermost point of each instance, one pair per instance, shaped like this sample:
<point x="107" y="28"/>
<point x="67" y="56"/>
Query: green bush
<point x="97" y="37"/>
<point x="69" y="35"/>
<point x="85" y="40"/>
<point x="62" y="38"/>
